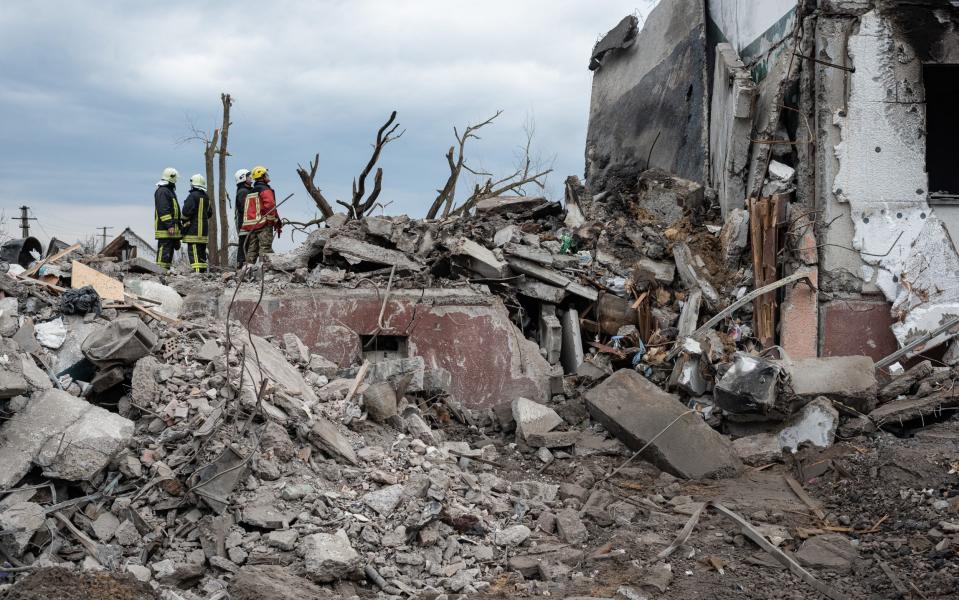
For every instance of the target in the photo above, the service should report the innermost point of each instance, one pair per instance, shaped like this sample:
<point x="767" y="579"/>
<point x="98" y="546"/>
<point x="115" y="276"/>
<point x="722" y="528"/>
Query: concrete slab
<point x="815" y="424"/>
<point x="532" y="417"/>
<point x="69" y="437"/>
<point x="847" y="379"/>
<point x="635" y="410"/>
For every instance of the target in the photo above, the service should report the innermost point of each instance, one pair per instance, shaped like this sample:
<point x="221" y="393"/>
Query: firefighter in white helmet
<point x="166" y="217"/>
<point x="244" y="186"/>
<point x="196" y="214"/>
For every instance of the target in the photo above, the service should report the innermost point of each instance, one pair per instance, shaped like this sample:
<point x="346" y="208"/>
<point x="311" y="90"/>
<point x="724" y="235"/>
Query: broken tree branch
<point x="308" y="179"/>
<point x="359" y="205"/>
<point x="446" y="195"/>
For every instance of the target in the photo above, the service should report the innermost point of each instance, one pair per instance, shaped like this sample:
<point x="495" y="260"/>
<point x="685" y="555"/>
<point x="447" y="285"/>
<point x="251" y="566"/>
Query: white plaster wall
<point x="743" y="21"/>
<point x="882" y="177"/>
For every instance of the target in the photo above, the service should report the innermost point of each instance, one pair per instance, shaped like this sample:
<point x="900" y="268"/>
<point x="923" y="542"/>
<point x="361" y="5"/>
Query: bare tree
<point x="313" y="190"/>
<point x="360" y="204"/>
<point x="529" y="171"/>
<point x="220" y="250"/>
<point x="209" y="151"/>
<point x="447" y="194"/>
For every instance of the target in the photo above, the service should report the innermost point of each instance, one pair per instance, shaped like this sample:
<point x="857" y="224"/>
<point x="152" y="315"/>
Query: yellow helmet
<point x="259" y="171"/>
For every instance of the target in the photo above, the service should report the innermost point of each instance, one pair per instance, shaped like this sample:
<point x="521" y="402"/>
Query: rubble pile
<point x="145" y="430"/>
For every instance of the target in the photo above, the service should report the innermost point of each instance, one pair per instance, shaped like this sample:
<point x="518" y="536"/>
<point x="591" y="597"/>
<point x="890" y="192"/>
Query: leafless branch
<point x="446" y="195"/>
<point x="359" y="205"/>
<point x="308" y="179"/>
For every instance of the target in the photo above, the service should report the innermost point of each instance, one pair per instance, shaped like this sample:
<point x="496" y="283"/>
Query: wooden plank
<point x="29" y="272"/>
<point x="108" y="287"/>
<point x="689" y="315"/>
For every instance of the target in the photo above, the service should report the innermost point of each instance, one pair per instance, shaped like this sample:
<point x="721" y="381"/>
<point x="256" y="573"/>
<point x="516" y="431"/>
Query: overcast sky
<point x="96" y="96"/>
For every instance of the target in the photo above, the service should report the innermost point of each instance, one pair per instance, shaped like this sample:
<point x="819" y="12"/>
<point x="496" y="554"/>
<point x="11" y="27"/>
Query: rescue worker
<point x="196" y="214"/>
<point x="166" y="217"/>
<point x="244" y="186"/>
<point x="260" y="217"/>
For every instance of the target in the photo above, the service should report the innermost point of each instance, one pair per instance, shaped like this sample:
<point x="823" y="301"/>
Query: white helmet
<point x="170" y="174"/>
<point x="198" y="181"/>
<point x="242" y="175"/>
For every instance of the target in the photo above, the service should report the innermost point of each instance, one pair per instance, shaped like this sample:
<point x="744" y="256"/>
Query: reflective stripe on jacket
<point x="196" y="212"/>
<point x="259" y="208"/>
<point x="166" y="212"/>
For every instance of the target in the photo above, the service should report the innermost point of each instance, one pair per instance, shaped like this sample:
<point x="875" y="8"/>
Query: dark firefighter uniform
<point x="166" y="222"/>
<point x="243" y="189"/>
<point x="196" y="213"/>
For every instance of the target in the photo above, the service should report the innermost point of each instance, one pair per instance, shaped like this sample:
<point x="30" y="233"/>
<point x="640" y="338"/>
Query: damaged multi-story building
<point x="837" y="117"/>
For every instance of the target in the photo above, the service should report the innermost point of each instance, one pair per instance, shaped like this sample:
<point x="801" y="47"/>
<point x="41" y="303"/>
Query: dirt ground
<point x="61" y="584"/>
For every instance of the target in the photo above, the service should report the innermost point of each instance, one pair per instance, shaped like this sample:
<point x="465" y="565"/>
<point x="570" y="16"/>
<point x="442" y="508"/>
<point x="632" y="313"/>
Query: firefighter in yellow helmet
<point x="260" y="218"/>
<point x="166" y="217"/>
<point x="196" y="214"/>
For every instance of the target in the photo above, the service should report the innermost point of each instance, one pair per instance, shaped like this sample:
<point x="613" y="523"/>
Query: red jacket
<point x="259" y="209"/>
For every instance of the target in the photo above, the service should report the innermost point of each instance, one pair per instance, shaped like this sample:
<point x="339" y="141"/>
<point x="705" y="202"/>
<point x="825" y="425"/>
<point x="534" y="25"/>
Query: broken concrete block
<point x="323" y="366"/>
<point x="295" y="349"/>
<point x="267" y="516"/>
<point x="635" y="410"/>
<point x="749" y="386"/>
<point x="378" y="226"/>
<point x="538" y="290"/>
<point x="325" y="436"/>
<point x="69" y="437"/>
<point x="171" y="303"/>
<point x="26" y="338"/>
<point x="209" y="351"/>
<point x="658" y="271"/>
<point x="419" y="429"/>
<point x="437" y="379"/>
<point x="512" y="536"/>
<point x="505" y="235"/>
<point x="850" y="380"/>
<point x="357" y="251"/>
<point x="144" y="388"/>
<point x="532" y="417"/>
<point x="18" y="523"/>
<point x="572" y="355"/>
<point x="480" y="260"/>
<point x="530" y="253"/>
<point x="264" y="361"/>
<point x="36" y="377"/>
<point x="553" y="439"/>
<point x="550" y="337"/>
<point x="815" y="424"/>
<point x="329" y="557"/>
<point x="379" y="400"/>
<point x="105" y="525"/>
<point x="570" y="527"/>
<point x="665" y="195"/>
<point x="734" y="236"/>
<point x="831" y="551"/>
<point x="284" y="540"/>
<point x="384" y="500"/>
<point x="690" y="377"/>
<point x="391" y="370"/>
<point x="508" y="204"/>
<point x="759" y="449"/>
<point x="12" y="381"/>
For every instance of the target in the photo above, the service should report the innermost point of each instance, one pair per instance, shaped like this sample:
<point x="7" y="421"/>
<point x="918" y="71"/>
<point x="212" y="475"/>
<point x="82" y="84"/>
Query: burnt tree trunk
<point x="209" y="150"/>
<point x="224" y="233"/>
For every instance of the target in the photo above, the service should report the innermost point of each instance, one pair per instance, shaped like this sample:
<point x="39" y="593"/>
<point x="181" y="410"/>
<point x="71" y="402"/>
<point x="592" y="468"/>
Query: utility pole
<point x="25" y="221"/>
<point x="104" y="236"/>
